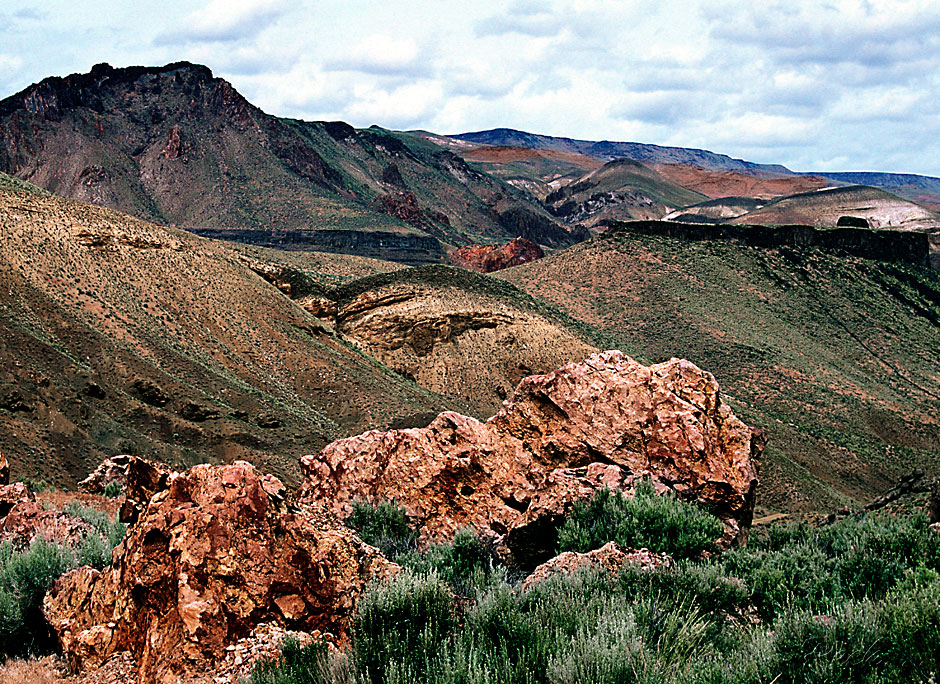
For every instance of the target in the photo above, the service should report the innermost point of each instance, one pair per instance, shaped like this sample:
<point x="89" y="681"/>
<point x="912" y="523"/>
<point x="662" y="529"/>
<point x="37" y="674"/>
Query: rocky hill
<point x="177" y="146"/>
<point x="835" y="354"/>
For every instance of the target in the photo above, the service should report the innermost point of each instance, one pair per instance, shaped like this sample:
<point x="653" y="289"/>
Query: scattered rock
<point x="12" y="400"/>
<point x="198" y="412"/>
<point x="268" y="420"/>
<point x="28" y="520"/>
<point x="211" y="556"/>
<point x="606" y="422"/>
<point x="489" y="258"/>
<point x="110" y="470"/>
<point x="13" y="494"/>
<point x="149" y="392"/>
<point x="4" y="470"/>
<point x="610" y="557"/>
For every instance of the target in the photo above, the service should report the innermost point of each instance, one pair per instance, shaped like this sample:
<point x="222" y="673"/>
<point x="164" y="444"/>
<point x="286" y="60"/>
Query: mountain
<point x="176" y="146"/>
<point x="921" y="189"/>
<point x="606" y="150"/>
<point x="621" y="189"/>
<point x="121" y="336"/>
<point x="834" y="354"/>
<point x="825" y="207"/>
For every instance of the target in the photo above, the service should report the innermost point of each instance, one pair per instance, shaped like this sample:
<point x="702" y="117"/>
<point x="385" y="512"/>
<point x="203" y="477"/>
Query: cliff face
<point x="912" y="247"/>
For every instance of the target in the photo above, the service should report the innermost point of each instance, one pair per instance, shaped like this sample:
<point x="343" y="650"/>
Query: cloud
<point x="527" y="18"/>
<point x="225" y="21"/>
<point x="383" y="55"/>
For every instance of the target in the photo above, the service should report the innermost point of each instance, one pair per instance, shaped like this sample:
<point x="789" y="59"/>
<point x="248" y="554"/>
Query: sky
<point x="817" y="86"/>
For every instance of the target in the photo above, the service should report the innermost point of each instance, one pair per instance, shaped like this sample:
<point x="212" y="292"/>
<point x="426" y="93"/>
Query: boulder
<point x="489" y="258"/>
<point x="606" y="422"/>
<point x="142" y="480"/>
<point x="212" y="556"/>
<point x="110" y="470"/>
<point x="29" y="520"/>
<point x="13" y="494"/>
<point x="611" y="557"/>
<point x="4" y="470"/>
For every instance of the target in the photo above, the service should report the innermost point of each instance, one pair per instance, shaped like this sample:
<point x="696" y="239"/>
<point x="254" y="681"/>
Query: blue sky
<point x="820" y="85"/>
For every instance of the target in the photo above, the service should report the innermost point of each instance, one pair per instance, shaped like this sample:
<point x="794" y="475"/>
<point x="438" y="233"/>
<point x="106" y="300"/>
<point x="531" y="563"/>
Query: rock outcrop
<point x="610" y="557"/>
<point x="606" y="422"/>
<point x="489" y="258"/>
<point x="110" y="470"/>
<point x="212" y="555"/>
<point x="4" y="471"/>
<point x="13" y="494"/>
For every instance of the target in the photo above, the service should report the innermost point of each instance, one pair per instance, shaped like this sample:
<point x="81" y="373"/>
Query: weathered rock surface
<point x="29" y="520"/>
<point x="4" y="470"/>
<point x="110" y="470"/>
<point x="606" y="422"/>
<point x="211" y="556"/>
<point x="13" y="494"/>
<point x="489" y="258"/>
<point x="611" y="557"/>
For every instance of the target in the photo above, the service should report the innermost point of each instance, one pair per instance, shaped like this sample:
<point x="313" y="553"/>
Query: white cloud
<point x="225" y="21"/>
<point x="384" y="55"/>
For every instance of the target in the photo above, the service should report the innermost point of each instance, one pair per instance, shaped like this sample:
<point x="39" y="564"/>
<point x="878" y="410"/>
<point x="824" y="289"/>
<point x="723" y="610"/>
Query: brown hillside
<point x="122" y="337"/>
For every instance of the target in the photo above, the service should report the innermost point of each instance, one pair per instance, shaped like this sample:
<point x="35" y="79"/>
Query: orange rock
<point x="608" y="421"/>
<point x="4" y="470"/>
<point x="611" y="557"/>
<point x="489" y="258"/>
<point x="211" y="556"/>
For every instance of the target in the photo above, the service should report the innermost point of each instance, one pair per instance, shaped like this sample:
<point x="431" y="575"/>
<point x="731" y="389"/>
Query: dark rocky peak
<point x="52" y="96"/>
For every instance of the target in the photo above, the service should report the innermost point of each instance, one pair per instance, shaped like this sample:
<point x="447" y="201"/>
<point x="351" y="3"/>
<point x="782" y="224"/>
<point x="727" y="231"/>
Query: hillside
<point x="539" y="171"/>
<point x="825" y="207"/>
<point x="123" y="337"/>
<point x="622" y="189"/>
<point x="923" y="190"/>
<point x="119" y="336"/>
<point x="835" y="355"/>
<point x="176" y="146"/>
<point x="606" y="150"/>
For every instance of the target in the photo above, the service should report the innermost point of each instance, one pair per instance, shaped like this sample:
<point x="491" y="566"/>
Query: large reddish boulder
<point x="13" y="494"/>
<point x="606" y="422"/>
<point x="212" y="556"/>
<point x="489" y="258"/>
<point x="4" y="470"/>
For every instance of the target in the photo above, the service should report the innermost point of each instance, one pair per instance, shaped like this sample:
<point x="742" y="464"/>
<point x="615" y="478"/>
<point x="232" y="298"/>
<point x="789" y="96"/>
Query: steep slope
<point x="175" y="145"/>
<point x="606" y="150"/>
<point x="118" y="336"/>
<point x="835" y="355"/>
<point x="621" y="189"/>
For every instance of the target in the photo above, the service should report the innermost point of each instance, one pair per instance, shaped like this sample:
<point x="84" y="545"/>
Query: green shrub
<point x="310" y="664"/>
<point x="112" y="490"/>
<point x="468" y="563"/>
<point x="663" y="524"/>
<point x="24" y="579"/>
<point x="403" y="624"/>
<point x="385" y="526"/>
